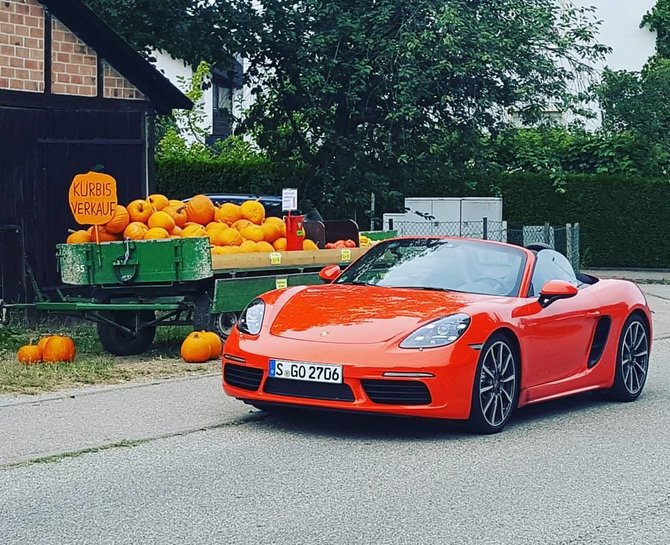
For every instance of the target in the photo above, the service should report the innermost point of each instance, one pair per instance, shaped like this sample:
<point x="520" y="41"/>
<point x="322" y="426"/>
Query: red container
<point x="295" y="232"/>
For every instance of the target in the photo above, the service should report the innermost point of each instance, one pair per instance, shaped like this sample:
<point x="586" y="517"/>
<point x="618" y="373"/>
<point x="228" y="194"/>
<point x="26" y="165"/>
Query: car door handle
<point x="592" y="314"/>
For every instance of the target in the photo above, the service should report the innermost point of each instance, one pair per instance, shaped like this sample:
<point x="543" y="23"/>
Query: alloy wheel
<point x="497" y="383"/>
<point x="634" y="357"/>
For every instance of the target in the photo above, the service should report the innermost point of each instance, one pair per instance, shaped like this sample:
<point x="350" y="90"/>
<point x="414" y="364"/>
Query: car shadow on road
<point x="347" y="425"/>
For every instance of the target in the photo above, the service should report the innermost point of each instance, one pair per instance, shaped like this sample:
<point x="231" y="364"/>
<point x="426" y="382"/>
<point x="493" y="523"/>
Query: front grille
<point x="246" y="378"/>
<point x="314" y="390"/>
<point x="397" y="392"/>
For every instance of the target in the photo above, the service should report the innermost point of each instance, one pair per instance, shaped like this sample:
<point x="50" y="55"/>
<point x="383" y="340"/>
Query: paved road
<point x="576" y="471"/>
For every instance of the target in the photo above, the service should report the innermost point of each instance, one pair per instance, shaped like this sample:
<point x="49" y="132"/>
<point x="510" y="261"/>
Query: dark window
<point x="222" y="115"/>
<point x="551" y="265"/>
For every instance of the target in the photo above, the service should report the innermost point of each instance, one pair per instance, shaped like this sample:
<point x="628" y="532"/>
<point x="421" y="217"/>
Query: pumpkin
<point x="175" y="202"/>
<point x="79" y="237"/>
<point x="253" y="232"/>
<point x="135" y="231"/>
<point x="158" y="202"/>
<point x="219" y="250"/>
<point x="218" y="239"/>
<point x="224" y="250"/>
<point x="156" y="233"/>
<point x="161" y="220"/>
<point x="228" y="213"/>
<point x="271" y="231"/>
<point x="248" y="246"/>
<point x="280" y="244"/>
<point x="241" y="224"/>
<point x="42" y="343"/>
<point x="309" y="245"/>
<point x="215" y="344"/>
<point x="140" y="210"/>
<point x="253" y="211"/>
<point x="193" y="231"/>
<point x="29" y="354"/>
<point x="264" y="246"/>
<point x="277" y="221"/>
<point x="178" y="214"/>
<point x="196" y="348"/>
<point x="229" y="237"/>
<point x="119" y="221"/>
<point x="215" y="226"/>
<point x="102" y="235"/>
<point x="58" y="348"/>
<point x="176" y="232"/>
<point x="200" y="209"/>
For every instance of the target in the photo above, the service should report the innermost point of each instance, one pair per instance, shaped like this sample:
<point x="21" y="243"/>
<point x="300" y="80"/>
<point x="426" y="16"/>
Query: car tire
<point x="495" y="389"/>
<point x="632" y="361"/>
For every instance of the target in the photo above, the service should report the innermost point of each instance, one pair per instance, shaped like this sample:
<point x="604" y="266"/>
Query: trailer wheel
<point x="123" y="343"/>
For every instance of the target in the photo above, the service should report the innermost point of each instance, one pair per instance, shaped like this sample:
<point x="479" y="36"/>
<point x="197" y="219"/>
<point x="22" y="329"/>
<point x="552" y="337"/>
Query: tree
<point x="191" y="30"/>
<point x="390" y="95"/>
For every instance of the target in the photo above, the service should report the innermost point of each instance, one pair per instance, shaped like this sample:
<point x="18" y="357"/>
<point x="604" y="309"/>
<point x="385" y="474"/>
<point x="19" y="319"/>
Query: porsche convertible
<point x="444" y="328"/>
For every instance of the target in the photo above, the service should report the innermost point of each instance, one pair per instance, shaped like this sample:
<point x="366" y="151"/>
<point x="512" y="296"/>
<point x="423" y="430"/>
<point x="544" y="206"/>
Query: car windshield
<point x="440" y="264"/>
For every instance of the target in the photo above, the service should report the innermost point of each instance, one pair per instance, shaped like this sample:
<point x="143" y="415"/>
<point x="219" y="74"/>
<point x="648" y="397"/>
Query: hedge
<point x="187" y="177"/>
<point x="624" y="221"/>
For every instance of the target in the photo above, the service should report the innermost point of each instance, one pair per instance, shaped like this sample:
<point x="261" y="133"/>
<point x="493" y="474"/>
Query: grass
<point x="93" y="365"/>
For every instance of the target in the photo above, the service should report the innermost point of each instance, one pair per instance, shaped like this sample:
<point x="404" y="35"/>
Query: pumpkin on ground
<point x="140" y="210"/>
<point x="200" y="209"/>
<point x="228" y="213"/>
<point x="135" y="231"/>
<point x="29" y="354"/>
<point x="215" y="344"/>
<point x="58" y="348"/>
<point x="79" y="237"/>
<point x="119" y="221"/>
<point x="162" y="220"/>
<point x="196" y="348"/>
<point x="253" y="211"/>
<point x="42" y="343"/>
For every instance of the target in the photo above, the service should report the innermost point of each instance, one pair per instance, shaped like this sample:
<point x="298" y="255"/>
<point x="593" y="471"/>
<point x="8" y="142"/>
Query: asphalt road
<point x="574" y="471"/>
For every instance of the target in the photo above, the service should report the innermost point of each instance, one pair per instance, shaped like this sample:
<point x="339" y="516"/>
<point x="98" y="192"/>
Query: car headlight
<point x="438" y="333"/>
<point x="251" y="319"/>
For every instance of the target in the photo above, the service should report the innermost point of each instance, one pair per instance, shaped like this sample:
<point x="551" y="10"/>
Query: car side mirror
<point x="330" y="273"/>
<point x="555" y="290"/>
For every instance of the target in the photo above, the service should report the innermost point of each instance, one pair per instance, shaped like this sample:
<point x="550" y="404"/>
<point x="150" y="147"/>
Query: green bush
<point x="624" y="220"/>
<point x="181" y="178"/>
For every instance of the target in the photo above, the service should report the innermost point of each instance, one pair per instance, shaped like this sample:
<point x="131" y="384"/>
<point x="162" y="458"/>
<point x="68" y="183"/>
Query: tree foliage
<point x="380" y="95"/>
<point x="658" y="20"/>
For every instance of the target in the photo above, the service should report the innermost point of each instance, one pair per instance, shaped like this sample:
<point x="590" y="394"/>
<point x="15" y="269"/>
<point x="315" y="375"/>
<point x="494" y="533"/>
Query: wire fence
<point x="563" y="238"/>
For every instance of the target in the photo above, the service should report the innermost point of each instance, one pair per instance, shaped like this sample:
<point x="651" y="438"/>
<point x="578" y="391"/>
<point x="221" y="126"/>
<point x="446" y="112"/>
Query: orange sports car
<point x="442" y="327"/>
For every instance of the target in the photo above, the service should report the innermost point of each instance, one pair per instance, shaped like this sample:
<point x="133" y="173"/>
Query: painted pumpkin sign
<point x="93" y="198"/>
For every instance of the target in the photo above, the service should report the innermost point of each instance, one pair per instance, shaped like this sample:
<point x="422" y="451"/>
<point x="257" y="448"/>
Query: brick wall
<point x="116" y="86"/>
<point x="73" y="63"/>
<point x="21" y="45"/>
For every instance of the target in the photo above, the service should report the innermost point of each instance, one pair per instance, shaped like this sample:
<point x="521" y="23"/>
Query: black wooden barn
<point x="73" y="95"/>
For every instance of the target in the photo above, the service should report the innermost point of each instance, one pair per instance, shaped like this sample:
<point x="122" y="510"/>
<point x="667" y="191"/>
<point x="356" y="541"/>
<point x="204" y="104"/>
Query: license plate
<point x="312" y="372"/>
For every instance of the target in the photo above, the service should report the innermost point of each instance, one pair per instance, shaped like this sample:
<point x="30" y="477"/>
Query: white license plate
<point x="312" y="372"/>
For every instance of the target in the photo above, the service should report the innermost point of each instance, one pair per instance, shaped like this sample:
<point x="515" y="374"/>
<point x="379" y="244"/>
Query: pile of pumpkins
<point x="201" y="346"/>
<point x="51" y="349"/>
<point x="231" y="228"/>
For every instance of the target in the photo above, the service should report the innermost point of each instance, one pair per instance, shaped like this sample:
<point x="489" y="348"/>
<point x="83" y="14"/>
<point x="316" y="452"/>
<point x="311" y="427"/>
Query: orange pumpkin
<point x="200" y="209"/>
<point x="102" y="235"/>
<point x="156" y="233"/>
<point x="196" y="348"/>
<point x="29" y="354"/>
<point x="271" y="231"/>
<point x="228" y="213"/>
<point x="279" y="244"/>
<point x="278" y="222"/>
<point x="140" y="210"/>
<point x="215" y="226"/>
<point x="135" y="231"/>
<point x="120" y="220"/>
<point x="58" y="348"/>
<point x="175" y="202"/>
<point x="253" y="232"/>
<point x="176" y="232"/>
<point x="161" y="220"/>
<point x="309" y="245"/>
<point x="158" y="201"/>
<point x="253" y="211"/>
<point x="219" y="250"/>
<point x="42" y="343"/>
<point x="178" y="214"/>
<point x="224" y="250"/>
<point x="264" y="246"/>
<point x="229" y="237"/>
<point x="79" y="237"/>
<point x="193" y="231"/>
<point x="248" y="246"/>
<point x="215" y="344"/>
<point x="241" y="224"/>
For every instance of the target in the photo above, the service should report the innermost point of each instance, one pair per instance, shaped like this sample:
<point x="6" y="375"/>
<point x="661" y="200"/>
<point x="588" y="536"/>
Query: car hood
<point x="348" y="314"/>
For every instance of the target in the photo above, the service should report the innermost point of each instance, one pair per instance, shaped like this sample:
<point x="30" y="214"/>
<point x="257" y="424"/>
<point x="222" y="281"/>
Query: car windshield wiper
<point x="426" y="288"/>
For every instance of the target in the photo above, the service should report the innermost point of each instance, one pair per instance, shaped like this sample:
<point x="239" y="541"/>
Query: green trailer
<point x="138" y="286"/>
